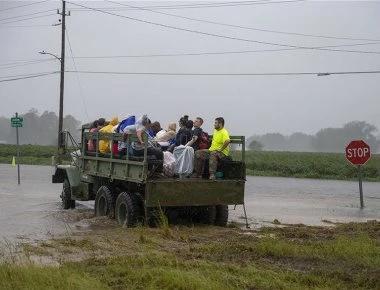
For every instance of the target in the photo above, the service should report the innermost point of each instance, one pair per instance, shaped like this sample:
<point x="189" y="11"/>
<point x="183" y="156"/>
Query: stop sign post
<point x="358" y="153"/>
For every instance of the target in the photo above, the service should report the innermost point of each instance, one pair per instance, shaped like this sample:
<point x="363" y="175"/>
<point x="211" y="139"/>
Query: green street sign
<point x="17" y="120"/>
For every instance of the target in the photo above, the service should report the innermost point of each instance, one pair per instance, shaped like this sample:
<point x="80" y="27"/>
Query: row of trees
<point x="326" y="140"/>
<point x="38" y="129"/>
<point x="43" y="130"/>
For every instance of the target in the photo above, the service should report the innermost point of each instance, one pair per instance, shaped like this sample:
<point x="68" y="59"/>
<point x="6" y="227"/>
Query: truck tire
<point x="128" y="209"/>
<point x="209" y="215"/>
<point x="104" y="202"/>
<point x="66" y="195"/>
<point x="203" y="214"/>
<point x="221" y="215"/>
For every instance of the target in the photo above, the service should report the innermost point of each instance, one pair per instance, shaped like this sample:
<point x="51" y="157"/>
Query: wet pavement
<point x="32" y="210"/>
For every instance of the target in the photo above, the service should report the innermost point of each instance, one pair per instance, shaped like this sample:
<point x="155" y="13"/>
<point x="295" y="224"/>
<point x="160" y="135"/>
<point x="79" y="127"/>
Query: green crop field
<point x="29" y="154"/>
<point x="309" y="165"/>
<point x="264" y="163"/>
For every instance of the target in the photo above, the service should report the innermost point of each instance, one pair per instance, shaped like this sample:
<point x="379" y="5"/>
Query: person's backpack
<point x="203" y="141"/>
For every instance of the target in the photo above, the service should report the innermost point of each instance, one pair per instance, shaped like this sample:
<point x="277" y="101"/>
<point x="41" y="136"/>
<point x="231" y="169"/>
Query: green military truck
<point x="129" y="190"/>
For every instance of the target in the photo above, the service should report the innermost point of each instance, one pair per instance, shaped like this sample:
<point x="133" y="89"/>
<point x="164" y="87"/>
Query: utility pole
<point x="62" y="85"/>
<point x="18" y="154"/>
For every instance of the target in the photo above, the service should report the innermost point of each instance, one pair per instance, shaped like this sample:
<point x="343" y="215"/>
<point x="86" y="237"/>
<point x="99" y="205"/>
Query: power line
<point x="27" y="18"/>
<point x="15" y="62"/>
<point x="20" y="16"/>
<point x="24" y="26"/>
<point x="23" y="5"/>
<point x="79" y="83"/>
<point x="196" y="6"/>
<point x="213" y="53"/>
<point x="227" y="74"/>
<point x="212" y="34"/>
<point x="27" y="77"/>
<point x="24" y="61"/>
<point x="24" y="64"/>
<point x="237" y="3"/>
<point x="23" y="75"/>
<point x="34" y="61"/>
<point x="240" y="26"/>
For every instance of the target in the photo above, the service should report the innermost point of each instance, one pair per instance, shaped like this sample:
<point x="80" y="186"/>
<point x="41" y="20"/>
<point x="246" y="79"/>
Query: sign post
<point x="17" y="122"/>
<point x="358" y="153"/>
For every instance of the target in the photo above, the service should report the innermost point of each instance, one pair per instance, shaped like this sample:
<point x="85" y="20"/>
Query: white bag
<point x="184" y="160"/>
<point x="169" y="164"/>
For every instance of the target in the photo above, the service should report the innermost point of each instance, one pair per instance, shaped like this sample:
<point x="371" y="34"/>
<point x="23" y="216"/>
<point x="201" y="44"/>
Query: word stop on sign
<point x="357" y="152"/>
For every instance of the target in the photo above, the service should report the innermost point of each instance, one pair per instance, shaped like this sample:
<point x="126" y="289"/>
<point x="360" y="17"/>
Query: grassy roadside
<point x="345" y="256"/>
<point x="284" y="164"/>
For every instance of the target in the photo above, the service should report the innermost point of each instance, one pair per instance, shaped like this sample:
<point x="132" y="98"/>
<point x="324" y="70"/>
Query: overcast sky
<point x="250" y="104"/>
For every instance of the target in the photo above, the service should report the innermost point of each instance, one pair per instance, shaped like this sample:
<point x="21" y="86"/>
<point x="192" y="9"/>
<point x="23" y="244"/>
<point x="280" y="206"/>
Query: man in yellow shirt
<point x="219" y="148"/>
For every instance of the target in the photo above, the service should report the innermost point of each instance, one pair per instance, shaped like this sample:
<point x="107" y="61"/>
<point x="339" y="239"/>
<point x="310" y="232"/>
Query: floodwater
<point x="32" y="210"/>
<point x="308" y="201"/>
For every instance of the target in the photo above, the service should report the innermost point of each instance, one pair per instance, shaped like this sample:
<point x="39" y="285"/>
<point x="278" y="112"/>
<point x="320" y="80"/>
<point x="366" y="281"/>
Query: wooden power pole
<point x="62" y="86"/>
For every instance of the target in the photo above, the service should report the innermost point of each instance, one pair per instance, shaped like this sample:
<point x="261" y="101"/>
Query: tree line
<point x="325" y="140"/>
<point x="41" y="129"/>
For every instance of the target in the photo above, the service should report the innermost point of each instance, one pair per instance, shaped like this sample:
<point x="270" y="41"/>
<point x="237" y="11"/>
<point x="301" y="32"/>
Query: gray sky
<point x="250" y="104"/>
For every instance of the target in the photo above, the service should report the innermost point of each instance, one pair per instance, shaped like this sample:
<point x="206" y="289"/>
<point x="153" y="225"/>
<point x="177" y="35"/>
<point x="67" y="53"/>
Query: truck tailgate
<point x="193" y="192"/>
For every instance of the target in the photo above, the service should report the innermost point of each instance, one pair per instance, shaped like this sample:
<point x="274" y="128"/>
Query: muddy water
<point x="308" y="201"/>
<point x="32" y="210"/>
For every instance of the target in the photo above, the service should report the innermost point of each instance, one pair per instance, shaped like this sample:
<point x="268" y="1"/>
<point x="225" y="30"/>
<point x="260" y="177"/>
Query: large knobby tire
<point x="221" y="215"/>
<point x="203" y="214"/>
<point x="66" y="195"/>
<point x="128" y="209"/>
<point x="209" y="215"/>
<point x="104" y="202"/>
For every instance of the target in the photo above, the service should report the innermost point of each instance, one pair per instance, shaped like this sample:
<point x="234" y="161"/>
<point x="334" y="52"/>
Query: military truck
<point x="129" y="189"/>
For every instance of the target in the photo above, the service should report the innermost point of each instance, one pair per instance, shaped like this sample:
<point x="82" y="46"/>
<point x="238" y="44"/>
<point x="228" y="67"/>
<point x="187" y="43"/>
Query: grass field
<point x="344" y="256"/>
<point x="309" y="165"/>
<point x="286" y="164"/>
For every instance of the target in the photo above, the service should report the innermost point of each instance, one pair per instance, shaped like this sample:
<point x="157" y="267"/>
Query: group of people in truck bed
<point x="190" y="133"/>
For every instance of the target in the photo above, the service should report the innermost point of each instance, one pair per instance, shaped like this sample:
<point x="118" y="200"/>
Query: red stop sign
<point x="358" y="152"/>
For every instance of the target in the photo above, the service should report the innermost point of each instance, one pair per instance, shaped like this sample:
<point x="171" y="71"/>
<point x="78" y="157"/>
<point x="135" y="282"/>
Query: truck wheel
<point x="128" y="209"/>
<point x="66" y="195"/>
<point x="221" y="215"/>
<point x="104" y="202"/>
<point x="204" y="214"/>
<point x="209" y="215"/>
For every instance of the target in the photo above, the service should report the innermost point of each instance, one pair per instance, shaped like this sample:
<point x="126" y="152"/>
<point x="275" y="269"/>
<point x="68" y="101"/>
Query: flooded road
<point x="32" y="210"/>
<point x="308" y="201"/>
